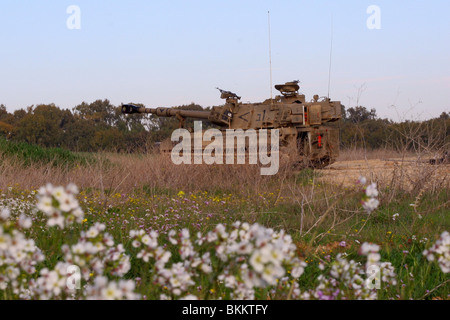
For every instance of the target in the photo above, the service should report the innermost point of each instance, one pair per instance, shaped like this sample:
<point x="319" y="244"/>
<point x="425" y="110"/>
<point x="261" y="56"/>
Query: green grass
<point x="394" y="237"/>
<point x="402" y="240"/>
<point x="27" y="154"/>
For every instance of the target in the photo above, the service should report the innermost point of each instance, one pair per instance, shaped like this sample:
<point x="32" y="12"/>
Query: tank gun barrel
<point x="165" y="112"/>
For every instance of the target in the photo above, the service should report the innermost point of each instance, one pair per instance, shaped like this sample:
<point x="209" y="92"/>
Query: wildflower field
<point x="138" y="227"/>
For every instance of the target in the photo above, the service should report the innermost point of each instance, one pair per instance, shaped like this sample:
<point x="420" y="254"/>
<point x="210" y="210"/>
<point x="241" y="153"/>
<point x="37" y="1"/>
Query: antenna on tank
<point x="331" y="51"/>
<point x="270" y="58"/>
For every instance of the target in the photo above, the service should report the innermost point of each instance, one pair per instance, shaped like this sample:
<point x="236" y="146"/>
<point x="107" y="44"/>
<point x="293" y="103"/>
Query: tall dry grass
<point x="122" y="173"/>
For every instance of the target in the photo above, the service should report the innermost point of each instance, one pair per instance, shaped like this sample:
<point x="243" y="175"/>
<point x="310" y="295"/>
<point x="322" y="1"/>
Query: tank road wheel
<point x="309" y="159"/>
<point x="304" y="153"/>
<point x="321" y="163"/>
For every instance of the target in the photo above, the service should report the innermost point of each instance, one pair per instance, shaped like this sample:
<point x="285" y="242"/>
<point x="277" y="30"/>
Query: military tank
<point x="303" y="136"/>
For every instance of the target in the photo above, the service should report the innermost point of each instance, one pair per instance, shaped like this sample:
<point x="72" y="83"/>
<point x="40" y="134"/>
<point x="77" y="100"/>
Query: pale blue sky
<point x="167" y="53"/>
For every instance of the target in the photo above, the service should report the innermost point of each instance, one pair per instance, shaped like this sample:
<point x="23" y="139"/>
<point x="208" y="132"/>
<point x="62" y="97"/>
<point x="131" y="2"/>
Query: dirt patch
<point x="410" y="172"/>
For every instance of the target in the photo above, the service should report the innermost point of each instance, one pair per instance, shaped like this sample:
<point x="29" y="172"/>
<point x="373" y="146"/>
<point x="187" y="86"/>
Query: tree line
<point x="100" y="126"/>
<point x="362" y="128"/>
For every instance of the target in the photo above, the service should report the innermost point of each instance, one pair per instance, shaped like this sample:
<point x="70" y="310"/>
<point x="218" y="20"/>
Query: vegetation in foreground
<point x="294" y="237"/>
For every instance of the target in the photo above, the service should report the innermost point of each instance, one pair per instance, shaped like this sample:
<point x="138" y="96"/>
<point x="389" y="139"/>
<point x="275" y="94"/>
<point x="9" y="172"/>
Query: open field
<point x="386" y="172"/>
<point x="139" y="227"/>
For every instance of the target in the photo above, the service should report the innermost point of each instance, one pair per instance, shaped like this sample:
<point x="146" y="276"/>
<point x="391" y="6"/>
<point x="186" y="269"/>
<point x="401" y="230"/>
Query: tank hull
<point x="303" y="148"/>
